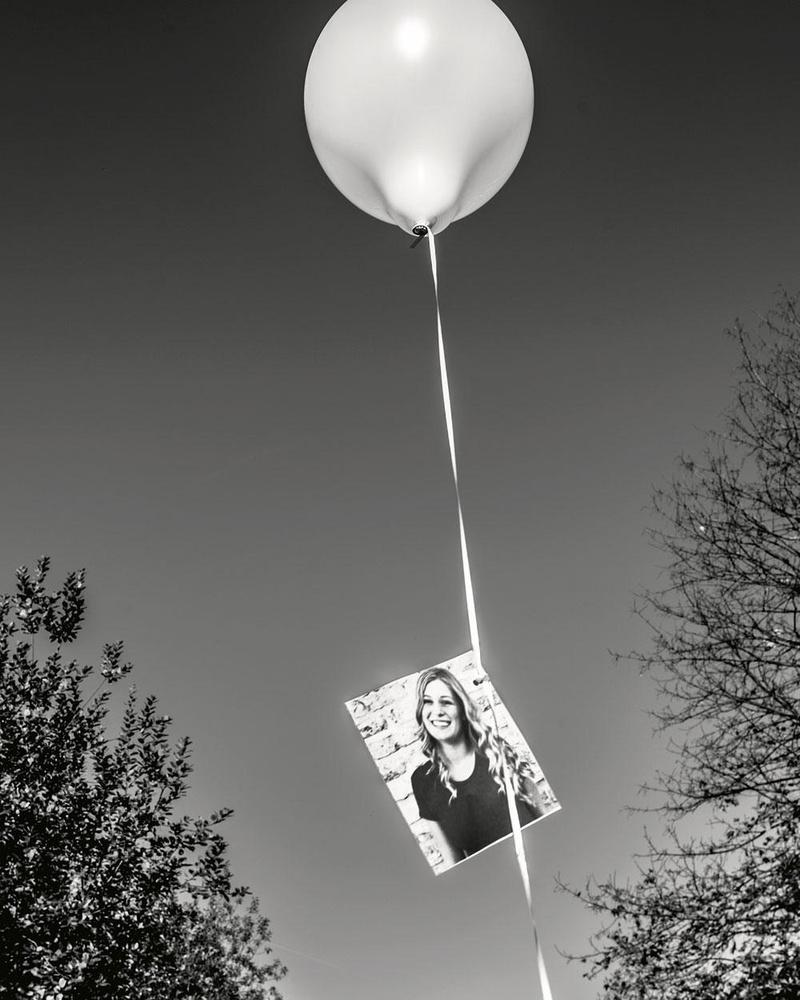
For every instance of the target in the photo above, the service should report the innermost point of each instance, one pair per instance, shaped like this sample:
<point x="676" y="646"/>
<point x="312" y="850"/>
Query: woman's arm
<point x="441" y="843"/>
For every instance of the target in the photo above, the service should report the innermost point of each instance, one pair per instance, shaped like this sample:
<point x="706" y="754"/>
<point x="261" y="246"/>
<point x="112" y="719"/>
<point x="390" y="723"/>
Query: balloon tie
<point x="421" y="232"/>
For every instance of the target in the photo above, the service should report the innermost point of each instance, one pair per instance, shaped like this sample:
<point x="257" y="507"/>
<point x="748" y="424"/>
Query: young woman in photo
<point x="460" y="791"/>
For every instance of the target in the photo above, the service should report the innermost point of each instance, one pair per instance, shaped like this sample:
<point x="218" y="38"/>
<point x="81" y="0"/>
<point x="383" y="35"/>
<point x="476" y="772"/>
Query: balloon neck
<point x="421" y="190"/>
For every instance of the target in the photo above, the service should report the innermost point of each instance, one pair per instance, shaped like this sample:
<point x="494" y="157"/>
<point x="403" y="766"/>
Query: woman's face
<point x="441" y="712"/>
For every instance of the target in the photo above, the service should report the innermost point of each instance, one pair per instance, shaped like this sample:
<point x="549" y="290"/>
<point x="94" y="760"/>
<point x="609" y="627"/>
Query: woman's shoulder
<point x="425" y="782"/>
<point x="422" y="773"/>
<point x="427" y="791"/>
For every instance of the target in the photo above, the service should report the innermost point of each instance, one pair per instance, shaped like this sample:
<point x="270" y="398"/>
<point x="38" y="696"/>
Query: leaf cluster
<point x="104" y="890"/>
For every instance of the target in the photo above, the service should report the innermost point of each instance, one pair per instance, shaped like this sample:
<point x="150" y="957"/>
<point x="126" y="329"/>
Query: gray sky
<point x="220" y="394"/>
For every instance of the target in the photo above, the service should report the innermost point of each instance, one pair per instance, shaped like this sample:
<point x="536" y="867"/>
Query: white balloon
<point x="419" y="110"/>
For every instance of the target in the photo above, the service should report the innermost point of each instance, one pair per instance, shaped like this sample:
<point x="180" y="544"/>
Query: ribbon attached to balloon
<point x="418" y="113"/>
<point x="472" y="619"/>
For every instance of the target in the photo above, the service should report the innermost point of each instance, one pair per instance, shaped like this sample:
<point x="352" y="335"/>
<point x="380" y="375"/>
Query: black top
<point x="477" y="816"/>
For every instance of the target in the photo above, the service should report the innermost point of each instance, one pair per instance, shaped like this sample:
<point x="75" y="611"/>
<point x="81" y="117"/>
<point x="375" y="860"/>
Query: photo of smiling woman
<point x="443" y="742"/>
<point x="460" y="791"/>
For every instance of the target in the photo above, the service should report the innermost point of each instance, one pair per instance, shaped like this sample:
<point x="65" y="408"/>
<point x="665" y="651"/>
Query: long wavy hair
<point x="481" y="737"/>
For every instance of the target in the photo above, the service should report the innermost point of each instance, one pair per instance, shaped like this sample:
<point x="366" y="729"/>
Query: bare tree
<point x="715" y="915"/>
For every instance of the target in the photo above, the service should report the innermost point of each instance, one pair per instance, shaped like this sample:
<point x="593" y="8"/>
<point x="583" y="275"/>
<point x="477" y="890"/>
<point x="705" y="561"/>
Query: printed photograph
<point x="446" y="746"/>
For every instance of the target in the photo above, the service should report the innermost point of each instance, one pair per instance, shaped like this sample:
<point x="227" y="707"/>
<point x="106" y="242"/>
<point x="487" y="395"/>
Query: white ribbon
<point x="519" y="845"/>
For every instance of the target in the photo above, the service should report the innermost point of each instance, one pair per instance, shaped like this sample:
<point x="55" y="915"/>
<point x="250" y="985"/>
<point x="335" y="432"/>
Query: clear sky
<point x="219" y="393"/>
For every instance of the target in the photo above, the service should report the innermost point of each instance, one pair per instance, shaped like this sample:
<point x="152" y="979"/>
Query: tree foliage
<point x="715" y="911"/>
<point x="104" y="891"/>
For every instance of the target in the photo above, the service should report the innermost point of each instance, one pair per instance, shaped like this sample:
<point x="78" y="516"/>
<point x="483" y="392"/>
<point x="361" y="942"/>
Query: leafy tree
<point x="104" y="892"/>
<point x="715" y="914"/>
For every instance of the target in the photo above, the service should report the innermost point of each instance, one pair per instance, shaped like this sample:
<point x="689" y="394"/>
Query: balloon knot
<point x="420" y="232"/>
